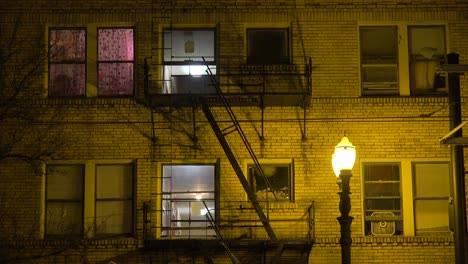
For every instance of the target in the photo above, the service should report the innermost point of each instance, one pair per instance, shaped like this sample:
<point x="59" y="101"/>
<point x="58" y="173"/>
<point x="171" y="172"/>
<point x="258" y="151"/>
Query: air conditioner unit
<point x="382" y="227"/>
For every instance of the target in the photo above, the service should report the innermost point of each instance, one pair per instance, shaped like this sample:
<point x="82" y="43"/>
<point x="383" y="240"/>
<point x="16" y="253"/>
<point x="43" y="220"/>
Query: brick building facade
<point x="120" y="159"/>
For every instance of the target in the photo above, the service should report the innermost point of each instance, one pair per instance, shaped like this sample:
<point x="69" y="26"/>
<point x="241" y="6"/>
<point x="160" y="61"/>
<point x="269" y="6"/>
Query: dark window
<point x="64" y="199"/>
<point x="267" y="46"/>
<point x="276" y="185"/>
<point x="379" y="60"/>
<point x="114" y="199"/>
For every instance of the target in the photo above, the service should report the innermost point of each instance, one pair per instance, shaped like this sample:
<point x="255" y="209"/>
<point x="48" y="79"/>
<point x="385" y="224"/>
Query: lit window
<point x="189" y="59"/>
<point x="426" y="52"/>
<point x="267" y="46"/>
<point x="115" y="61"/>
<point x="379" y="60"/>
<point x="67" y="62"/>
<point x="275" y="184"/>
<point x="114" y="199"/>
<point x="188" y="200"/>
<point x="382" y="199"/>
<point x="431" y="198"/>
<point x="64" y="199"/>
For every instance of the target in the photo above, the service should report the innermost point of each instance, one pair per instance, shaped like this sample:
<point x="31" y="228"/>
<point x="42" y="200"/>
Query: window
<point x="402" y="60"/>
<point x="382" y="199"/>
<point x="431" y="198"/>
<point x="189" y="58"/>
<point x="115" y="61"/>
<point x="379" y="60"/>
<point x="69" y="57"/>
<point x="67" y="62"/>
<point x="426" y="52"/>
<point x="267" y="46"/>
<point x="107" y="210"/>
<point x="275" y="184"/>
<point x="114" y="199"/>
<point x="188" y="200"/>
<point x="64" y="199"/>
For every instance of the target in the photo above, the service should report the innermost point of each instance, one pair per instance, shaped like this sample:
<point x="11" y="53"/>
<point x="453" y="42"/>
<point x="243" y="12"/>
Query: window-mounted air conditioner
<point x="382" y="227"/>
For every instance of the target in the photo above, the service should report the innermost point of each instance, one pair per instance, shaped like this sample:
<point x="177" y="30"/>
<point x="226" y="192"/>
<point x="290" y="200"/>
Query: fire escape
<point x="232" y="82"/>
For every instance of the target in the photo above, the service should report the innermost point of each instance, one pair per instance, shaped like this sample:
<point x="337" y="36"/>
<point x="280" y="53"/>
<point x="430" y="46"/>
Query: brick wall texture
<point x="382" y="128"/>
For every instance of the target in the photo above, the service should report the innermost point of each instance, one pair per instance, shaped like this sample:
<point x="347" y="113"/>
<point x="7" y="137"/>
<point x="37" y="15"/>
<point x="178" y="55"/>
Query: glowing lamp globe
<point x="344" y="156"/>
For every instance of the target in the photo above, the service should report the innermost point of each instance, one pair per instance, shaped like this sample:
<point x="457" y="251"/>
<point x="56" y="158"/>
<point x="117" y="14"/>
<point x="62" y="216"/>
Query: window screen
<point x="276" y="183"/>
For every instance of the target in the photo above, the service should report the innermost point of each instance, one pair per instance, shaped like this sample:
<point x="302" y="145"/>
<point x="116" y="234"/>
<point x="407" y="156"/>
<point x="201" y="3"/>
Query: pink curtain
<point x="67" y="68"/>
<point x="115" y="61"/>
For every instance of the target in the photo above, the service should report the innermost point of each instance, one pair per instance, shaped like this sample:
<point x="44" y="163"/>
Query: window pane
<point x="382" y="201"/>
<point x="379" y="60"/>
<point x="382" y="172"/>
<point x="115" y="44"/>
<point x="64" y="218"/>
<point x="114" y="217"/>
<point x="267" y="46"/>
<point x="67" y="45"/>
<point x="65" y="182"/>
<point x="67" y="69"/>
<point x="115" y="78"/>
<point x="431" y="215"/>
<point x="114" y="181"/>
<point x="432" y="180"/>
<point x="183" y="45"/>
<point x="67" y="79"/>
<point x="279" y="182"/>
<point x="427" y="51"/>
<point x="115" y="61"/>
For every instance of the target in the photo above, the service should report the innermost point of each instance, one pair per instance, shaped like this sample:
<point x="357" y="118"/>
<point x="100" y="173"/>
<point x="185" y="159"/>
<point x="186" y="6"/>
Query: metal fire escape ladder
<point x="235" y="165"/>
<point x="221" y="240"/>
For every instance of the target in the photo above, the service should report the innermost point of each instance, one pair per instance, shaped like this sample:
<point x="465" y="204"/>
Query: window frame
<point x="367" y="220"/>
<point x="442" y="58"/>
<point x="50" y="62"/>
<point x="280" y="61"/>
<point x="404" y="76"/>
<point x="379" y="91"/>
<point x="432" y="198"/>
<point x="98" y="62"/>
<point x="132" y="199"/>
<point x="289" y="164"/>
<point x="166" y="231"/>
<point x="47" y="201"/>
<point x="198" y="82"/>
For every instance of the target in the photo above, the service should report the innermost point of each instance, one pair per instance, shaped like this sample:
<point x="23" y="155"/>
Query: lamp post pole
<point x="343" y="161"/>
<point x="345" y="219"/>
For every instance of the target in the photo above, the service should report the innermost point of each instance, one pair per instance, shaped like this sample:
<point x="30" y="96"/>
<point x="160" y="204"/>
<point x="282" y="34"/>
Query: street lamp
<point x="342" y="161"/>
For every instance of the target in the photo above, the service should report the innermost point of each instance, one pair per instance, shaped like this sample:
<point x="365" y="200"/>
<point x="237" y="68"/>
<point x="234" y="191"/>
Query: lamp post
<point x="342" y="161"/>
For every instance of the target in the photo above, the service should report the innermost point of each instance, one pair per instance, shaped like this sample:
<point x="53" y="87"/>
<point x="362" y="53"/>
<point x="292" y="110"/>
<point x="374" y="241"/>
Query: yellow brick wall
<point x="393" y="128"/>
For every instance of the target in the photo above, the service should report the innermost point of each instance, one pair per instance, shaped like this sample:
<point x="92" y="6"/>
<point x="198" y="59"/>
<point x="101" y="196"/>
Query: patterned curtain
<point x="115" y="61"/>
<point x="67" y="67"/>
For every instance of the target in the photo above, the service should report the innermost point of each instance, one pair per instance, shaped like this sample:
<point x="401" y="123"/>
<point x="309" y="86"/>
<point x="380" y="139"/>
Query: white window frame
<point x="91" y="60"/>
<point x="89" y="202"/>
<point x="406" y="181"/>
<point x="404" y="78"/>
